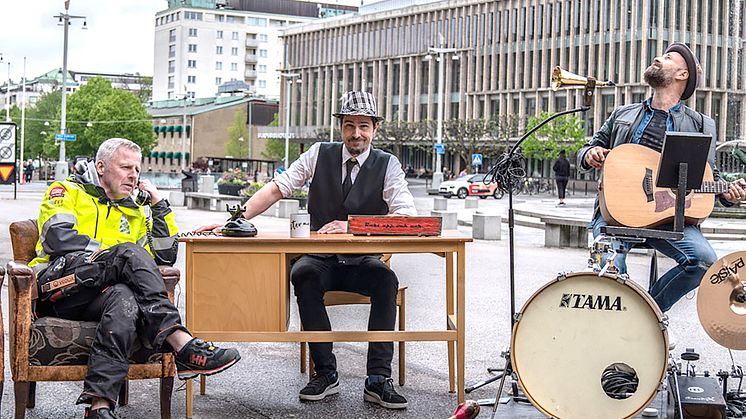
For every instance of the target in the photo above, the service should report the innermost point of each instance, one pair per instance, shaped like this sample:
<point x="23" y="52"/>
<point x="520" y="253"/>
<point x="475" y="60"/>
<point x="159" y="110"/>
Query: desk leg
<point x="461" y="317"/>
<point x="189" y="396"/>
<point x="450" y="312"/>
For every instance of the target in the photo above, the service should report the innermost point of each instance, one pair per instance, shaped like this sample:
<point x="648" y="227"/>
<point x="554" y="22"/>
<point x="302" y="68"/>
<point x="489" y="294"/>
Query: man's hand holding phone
<point x="147" y="186"/>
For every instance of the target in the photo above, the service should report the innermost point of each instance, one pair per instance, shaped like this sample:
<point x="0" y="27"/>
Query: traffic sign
<point x="476" y="159"/>
<point x="5" y="171"/>
<point x="7" y="143"/>
<point x="65" y="137"/>
<point x="440" y="148"/>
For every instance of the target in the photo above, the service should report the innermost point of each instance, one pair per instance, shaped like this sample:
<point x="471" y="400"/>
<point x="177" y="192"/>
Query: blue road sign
<point x="440" y="148"/>
<point x="65" y="137"/>
<point x="476" y="159"/>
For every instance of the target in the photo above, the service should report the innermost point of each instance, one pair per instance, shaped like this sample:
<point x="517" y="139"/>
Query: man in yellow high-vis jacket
<point x="97" y="260"/>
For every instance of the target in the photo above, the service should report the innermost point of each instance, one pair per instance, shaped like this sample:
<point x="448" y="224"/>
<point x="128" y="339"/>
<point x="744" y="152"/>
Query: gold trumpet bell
<point x="562" y="78"/>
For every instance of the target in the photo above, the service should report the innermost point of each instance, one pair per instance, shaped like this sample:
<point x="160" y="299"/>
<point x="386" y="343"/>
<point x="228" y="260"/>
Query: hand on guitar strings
<point x="596" y="156"/>
<point x="736" y="191"/>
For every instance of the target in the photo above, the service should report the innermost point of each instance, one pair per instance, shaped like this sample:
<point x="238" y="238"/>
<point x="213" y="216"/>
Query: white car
<point x="470" y="185"/>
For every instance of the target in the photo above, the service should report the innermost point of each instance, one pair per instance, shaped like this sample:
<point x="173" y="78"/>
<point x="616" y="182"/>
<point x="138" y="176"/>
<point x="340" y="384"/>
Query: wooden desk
<point x="237" y="289"/>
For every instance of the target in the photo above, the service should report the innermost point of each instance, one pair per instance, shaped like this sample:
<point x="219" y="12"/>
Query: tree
<point x="112" y="113"/>
<point x="563" y="133"/>
<point x="238" y="137"/>
<point x="39" y="141"/>
<point x="275" y="149"/>
<point x="395" y="134"/>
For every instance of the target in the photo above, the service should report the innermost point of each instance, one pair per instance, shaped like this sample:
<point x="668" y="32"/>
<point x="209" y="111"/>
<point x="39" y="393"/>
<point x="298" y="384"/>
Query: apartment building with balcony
<point x="202" y="44"/>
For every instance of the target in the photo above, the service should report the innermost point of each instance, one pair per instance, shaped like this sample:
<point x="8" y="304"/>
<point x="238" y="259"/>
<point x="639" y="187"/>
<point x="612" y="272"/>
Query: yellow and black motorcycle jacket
<point x="77" y="216"/>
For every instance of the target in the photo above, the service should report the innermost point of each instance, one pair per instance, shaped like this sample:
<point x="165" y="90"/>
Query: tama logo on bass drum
<point x="592" y="302"/>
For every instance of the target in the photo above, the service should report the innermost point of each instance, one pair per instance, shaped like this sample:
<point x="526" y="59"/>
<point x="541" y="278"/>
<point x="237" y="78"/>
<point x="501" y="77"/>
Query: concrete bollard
<point x="440" y="203"/>
<point x="449" y="219"/>
<point x="206" y="184"/>
<point x="471" y="202"/>
<point x="176" y="198"/>
<point x="486" y="226"/>
<point x="287" y="207"/>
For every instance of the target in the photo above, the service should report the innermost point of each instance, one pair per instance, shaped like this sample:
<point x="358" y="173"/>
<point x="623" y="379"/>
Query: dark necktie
<point x="347" y="184"/>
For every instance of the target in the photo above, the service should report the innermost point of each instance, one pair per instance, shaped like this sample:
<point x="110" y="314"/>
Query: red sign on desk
<point x="393" y="225"/>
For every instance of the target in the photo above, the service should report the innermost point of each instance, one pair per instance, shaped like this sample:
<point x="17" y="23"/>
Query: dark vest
<point x="325" y="202"/>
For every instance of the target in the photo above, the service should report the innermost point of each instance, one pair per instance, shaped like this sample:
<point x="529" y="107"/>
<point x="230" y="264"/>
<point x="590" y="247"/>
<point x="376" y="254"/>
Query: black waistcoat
<point x="325" y="202"/>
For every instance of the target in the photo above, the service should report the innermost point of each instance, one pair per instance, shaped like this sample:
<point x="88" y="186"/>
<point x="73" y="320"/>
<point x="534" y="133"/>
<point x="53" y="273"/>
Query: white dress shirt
<point x="395" y="191"/>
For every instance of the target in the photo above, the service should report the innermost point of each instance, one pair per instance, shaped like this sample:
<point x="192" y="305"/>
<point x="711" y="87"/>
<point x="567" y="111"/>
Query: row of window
<point x="218" y="50"/>
<point x="262" y="37"/>
<point x="248" y="20"/>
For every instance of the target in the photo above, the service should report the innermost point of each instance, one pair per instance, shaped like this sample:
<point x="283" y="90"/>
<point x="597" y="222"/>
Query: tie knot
<point x="351" y="163"/>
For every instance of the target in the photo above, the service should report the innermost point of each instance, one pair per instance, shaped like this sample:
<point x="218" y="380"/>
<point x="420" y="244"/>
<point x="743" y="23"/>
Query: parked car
<point x="470" y="185"/>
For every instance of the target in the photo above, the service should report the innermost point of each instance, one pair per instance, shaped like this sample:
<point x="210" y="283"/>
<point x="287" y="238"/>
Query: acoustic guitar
<point x="628" y="195"/>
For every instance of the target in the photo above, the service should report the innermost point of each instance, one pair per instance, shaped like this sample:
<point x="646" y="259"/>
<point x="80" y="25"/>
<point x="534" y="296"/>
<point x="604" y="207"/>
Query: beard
<point x="656" y="77"/>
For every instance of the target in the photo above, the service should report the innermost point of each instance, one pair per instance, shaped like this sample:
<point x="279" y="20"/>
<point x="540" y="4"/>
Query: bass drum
<point x="589" y="346"/>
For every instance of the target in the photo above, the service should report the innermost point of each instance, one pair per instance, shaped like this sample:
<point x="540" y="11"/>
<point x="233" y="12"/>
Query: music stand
<point x="682" y="166"/>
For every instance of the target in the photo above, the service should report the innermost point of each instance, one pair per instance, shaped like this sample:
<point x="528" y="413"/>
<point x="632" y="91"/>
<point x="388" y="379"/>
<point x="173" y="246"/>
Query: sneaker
<point x="380" y="390"/>
<point x="102" y="413"/>
<point x="320" y="386"/>
<point x="561" y="204"/>
<point x="199" y="357"/>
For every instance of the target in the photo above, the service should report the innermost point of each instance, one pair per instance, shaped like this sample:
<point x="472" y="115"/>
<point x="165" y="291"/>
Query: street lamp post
<point x="438" y="173"/>
<point x="290" y="77"/>
<point x="184" y="133"/>
<point x="61" y="169"/>
<point x="7" y="97"/>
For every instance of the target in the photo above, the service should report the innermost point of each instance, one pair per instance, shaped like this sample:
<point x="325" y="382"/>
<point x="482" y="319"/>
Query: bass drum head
<point x="578" y="328"/>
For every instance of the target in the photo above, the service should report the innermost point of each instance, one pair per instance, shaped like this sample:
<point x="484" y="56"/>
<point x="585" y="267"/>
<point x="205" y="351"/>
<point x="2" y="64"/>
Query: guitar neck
<point x="715" y="187"/>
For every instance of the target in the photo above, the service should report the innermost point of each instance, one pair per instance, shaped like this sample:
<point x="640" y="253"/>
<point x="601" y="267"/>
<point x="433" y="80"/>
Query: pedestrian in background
<point x="561" y="170"/>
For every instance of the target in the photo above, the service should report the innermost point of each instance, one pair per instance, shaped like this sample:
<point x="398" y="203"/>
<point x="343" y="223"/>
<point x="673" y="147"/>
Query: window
<point x="256" y="21"/>
<point x="234" y="67"/>
<point x="235" y="19"/>
<point x="234" y="51"/>
<point x="193" y="15"/>
<point x="219" y="35"/>
<point x="262" y="84"/>
<point x="171" y="51"/>
<point x="172" y="35"/>
<point x="170" y="82"/>
<point x="262" y="37"/>
<point x="191" y="79"/>
<point x="263" y="53"/>
<point x="192" y="32"/>
<point x="218" y="80"/>
<point x="192" y="48"/>
<point x="277" y="23"/>
<point x="218" y="50"/>
<point x="220" y="18"/>
<point x="218" y="65"/>
<point x="262" y="68"/>
<point x="192" y="63"/>
<point x="171" y="66"/>
<point x="234" y="36"/>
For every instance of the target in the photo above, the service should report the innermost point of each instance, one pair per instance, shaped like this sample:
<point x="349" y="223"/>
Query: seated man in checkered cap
<point x="349" y="177"/>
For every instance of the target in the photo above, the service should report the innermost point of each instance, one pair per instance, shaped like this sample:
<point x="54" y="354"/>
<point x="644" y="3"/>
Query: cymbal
<point x="721" y="301"/>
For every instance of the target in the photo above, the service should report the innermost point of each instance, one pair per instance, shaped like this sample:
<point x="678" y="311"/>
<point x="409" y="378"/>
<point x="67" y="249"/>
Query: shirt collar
<point x="360" y="159"/>
<point x="648" y="107"/>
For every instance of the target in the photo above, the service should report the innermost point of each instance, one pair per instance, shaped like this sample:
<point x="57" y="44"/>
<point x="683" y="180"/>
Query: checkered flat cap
<point x="359" y="103"/>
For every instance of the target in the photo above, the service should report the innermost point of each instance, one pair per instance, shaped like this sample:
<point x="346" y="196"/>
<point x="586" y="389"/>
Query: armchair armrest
<point x="22" y="281"/>
<point x="171" y="277"/>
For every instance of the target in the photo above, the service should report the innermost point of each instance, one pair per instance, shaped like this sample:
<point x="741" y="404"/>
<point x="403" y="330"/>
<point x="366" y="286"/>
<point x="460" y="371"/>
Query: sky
<point x="119" y="38"/>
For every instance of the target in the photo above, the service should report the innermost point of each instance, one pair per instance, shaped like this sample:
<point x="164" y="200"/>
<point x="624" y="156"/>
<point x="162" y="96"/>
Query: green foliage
<point x="99" y="101"/>
<point x="39" y="138"/>
<point x="275" y="149"/>
<point x="238" y="137"/>
<point x="563" y="133"/>
<point x="251" y="189"/>
<point x="234" y="177"/>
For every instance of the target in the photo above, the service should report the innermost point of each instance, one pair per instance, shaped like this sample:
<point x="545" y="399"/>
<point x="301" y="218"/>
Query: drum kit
<point x="595" y="345"/>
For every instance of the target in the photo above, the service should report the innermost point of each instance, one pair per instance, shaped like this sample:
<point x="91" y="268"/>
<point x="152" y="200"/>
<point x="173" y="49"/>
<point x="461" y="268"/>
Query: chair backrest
<point x="23" y="237"/>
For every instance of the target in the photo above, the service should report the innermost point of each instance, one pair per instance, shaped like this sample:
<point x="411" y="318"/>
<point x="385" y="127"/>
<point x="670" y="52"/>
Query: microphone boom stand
<point x="508" y="368"/>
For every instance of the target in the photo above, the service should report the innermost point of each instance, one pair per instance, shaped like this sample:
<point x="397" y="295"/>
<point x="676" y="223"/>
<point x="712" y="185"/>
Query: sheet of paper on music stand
<point x="683" y="147"/>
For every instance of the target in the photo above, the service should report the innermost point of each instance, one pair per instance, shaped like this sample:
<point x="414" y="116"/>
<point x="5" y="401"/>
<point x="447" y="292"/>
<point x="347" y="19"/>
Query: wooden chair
<point x="33" y="360"/>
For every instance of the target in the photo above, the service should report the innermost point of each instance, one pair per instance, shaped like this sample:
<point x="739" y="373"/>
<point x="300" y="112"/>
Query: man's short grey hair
<point x="107" y="149"/>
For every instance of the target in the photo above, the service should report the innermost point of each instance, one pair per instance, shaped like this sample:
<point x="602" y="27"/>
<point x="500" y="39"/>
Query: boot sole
<point x="375" y="398"/>
<point x="332" y="389"/>
<point x="189" y="374"/>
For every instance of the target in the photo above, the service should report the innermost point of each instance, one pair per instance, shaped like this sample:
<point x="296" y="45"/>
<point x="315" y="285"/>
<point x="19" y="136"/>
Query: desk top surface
<point x="451" y="236"/>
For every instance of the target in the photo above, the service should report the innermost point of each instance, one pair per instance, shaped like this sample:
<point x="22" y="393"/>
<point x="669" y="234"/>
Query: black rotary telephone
<point x="237" y="225"/>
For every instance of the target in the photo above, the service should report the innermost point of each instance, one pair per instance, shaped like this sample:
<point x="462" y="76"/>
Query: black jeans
<point x="132" y="301"/>
<point x="561" y="186"/>
<point x="312" y="276"/>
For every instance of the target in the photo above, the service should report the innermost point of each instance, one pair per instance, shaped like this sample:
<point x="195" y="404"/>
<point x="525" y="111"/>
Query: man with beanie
<point x="350" y="177"/>
<point x="674" y="77"/>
